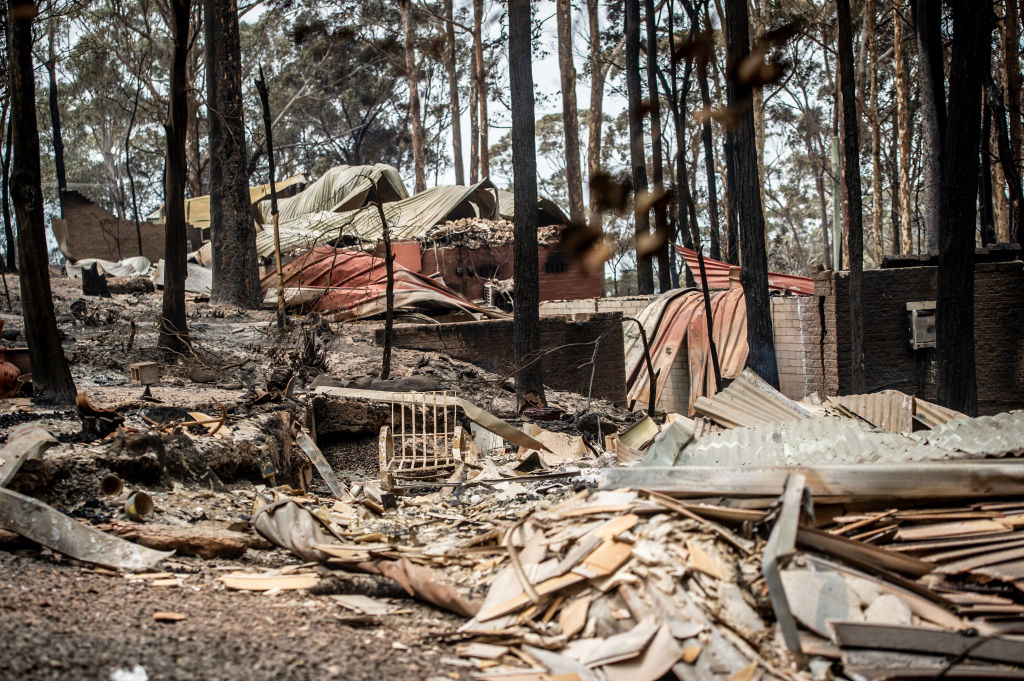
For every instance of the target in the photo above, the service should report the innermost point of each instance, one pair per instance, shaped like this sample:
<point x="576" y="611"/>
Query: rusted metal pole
<point x="651" y="378"/>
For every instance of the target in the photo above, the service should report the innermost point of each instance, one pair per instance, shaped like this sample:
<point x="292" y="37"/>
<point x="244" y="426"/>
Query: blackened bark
<point x="51" y="378"/>
<point x="956" y="383"/>
<point x="642" y="228"/>
<point x="474" y="98"/>
<point x="657" y="173"/>
<point x="754" y="275"/>
<point x="597" y="73"/>
<point x="5" y="199"/>
<point x="128" y="162"/>
<point x="985" y="220"/>
<point x="58" y="138"/>
<point x="389" y="288"/>
<point x="268" y="135"/>
<point x="709" y="162"/>
<point x="732" y="238"/>
<point x="570" y="116"/>
<point x="851" y="185"/>
<point x="235" y="267"/>
<point x="173" y="327"/>
<point x="927" y="22"/>
<point x="526" y="297"/>
<point x="451" y="67"/>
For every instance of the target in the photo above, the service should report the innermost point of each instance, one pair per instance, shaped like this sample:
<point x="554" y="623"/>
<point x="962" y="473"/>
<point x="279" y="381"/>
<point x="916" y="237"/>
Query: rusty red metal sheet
<point x="718" y="275"/>
<point x="353" y="284"/>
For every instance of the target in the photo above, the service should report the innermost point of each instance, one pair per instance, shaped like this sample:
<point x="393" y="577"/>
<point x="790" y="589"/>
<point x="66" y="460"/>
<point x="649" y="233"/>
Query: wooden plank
<point x="914" y="547"/>
<point x="928" y="641"/>
<point x="972" y="551"/>
<point x="922" y="480"/>
<point x="955" y="529"/>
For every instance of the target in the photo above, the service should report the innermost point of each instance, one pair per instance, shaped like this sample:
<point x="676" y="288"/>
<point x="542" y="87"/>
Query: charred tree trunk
<point x="597" y="74"/>
<point x="5" y="199"/>
<point x="954" y="309"/>
<point x="413" y="82"/>
<point x="1011" y="68"/>
<point x="173" y="327"/>
<point x="927" y="19"/>
<point x="481" y="84"/>
<point x="526" y="297"/>
<point x="985" y="219"/>
<point x="474" y="97"/>
<point x="876" y="153"/>
<point x="754" y="276"/>
<point x="193" y="157"/>
<point x="570" y="118"/>
<point x="58" y="139"/>
<point x="51" y="378"/>
<point x="903" y="130"/>
<point x="732" y="237"/>
<point x="851" y="185"/>
<point x="451" y="66"/>
<point x="657" y="172"/>
<point x="235" y="267"/>
<point x="642" y="229"/>
<point x="707" y="138"/>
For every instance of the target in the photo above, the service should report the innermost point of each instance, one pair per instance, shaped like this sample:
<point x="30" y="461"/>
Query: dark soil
<point x="60" y="620"/>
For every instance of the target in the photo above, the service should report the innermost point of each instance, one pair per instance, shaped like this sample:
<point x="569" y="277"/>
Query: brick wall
<point x="466" y="269"/>
<point x="796" y="322"/>
<point x="488" y="344"/>
<point x="90" y="231"/>
<point x="890" y="362"/>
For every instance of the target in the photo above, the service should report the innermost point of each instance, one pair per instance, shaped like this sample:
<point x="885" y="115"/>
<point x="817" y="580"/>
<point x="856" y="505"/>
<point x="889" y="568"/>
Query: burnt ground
<point x="61" y="620"/>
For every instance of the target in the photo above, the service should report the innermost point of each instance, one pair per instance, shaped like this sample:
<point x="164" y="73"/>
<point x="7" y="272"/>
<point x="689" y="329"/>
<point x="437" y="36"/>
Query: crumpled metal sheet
<point x="999" y="435"/>
<point x="933" y="415"/>
<point x="718" y="275"/>
<point x="408" y="218"/>
<point x="749" y="401"/>
<point x="895" y="411"/>
<point x="339" y="188"/>
<point x="423" y="583"/>
<point x="818" y="440"/>
<point x="352" y="284"/>
<point x="291" y="526"/>
<point x="677" y="317"/>
<point x="46" y="525"/>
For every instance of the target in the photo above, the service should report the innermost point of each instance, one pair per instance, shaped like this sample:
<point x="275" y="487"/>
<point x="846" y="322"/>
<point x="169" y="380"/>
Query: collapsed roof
<point x="718" y="275"/>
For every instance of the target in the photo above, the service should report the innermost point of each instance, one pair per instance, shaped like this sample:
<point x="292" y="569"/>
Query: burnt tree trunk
<point x="412" y="80"/>
<point x="474" y="100"/>
<point x="732" y="237"/>
<point x="754" y="275"/>
<point x="876" y="152"/>
<point x="451" y="67"/>
<point x="657" y="173"/>
<point x="927" y="20"/>
<point x="51" y="377"/>
<point x="173" y="327"/>
<point x="481" y="84"/>
<point x="526" y="296"/>
<point x="642" y="229"/>
<point x="851" y="186"/>
<point x="235" y="267"/>
<point x="904" y="130"/>
<point x="954" y="308"/>
<point x="570" y="117"/>
<point x="58" y="139"/>
<point x="5" y="199"/>
<point x="707" y="139"/>
<point x="987" y="227"/>
<point x="1012" y="78"/>
<point x="597" y="73"/>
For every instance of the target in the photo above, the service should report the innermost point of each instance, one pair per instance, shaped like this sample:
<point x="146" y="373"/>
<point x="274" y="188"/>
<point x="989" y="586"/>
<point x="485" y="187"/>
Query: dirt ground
<point x="62" y="619"/>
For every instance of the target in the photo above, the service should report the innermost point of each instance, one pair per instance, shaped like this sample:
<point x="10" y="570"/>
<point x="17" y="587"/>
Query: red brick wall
<point x="459" y="265"/>
<point x="890" y="362"/>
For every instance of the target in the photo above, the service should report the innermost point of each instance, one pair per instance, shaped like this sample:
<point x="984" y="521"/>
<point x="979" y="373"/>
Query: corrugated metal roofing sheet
<point x="339" y="189"/>
<point x="409" y="218"/>
<point x="895" y="411"/>
<point x="676" y="317"/>
<point x="998" y="435"/>
<point x="350" y="284"/>
<point x="718" y="275"/>
<point x="748" y="401"/>
<point x="819" y="440"/>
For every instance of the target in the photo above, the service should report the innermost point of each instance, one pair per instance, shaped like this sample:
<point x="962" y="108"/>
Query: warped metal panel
<point x="749" y="401"/>
<point x="718" y="275"/>
<point x="890" y="410"/>
<point x="817" y="440"/>
<point x="933" y="415"/>
<point x="999" y="435"/>
<point x="347" y="283"/>
<point x="340" y="188"/>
